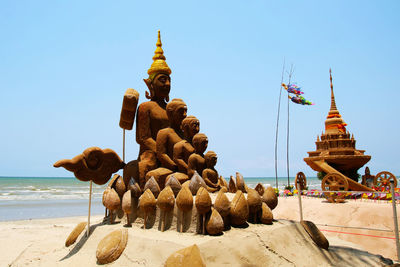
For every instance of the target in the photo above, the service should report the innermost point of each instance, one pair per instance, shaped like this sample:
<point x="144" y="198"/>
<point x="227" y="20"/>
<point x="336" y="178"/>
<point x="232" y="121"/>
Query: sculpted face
<point x="161" y="85"/>
<point x="180" y="113"/>
<point x="201" y="145"/>
<point x="194" y="127"/>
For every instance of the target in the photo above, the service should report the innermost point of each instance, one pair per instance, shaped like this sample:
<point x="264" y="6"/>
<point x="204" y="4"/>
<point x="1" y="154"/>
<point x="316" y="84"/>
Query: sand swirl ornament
<point x="203" y="206"/>
<point x="184" y="202"/>
<point x="147" y="204"/>
<point x="166" y="202"/>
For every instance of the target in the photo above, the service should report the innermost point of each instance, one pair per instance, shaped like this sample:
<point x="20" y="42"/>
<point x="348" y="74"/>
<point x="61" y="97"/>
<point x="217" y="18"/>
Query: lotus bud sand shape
<point x="173" y="178"/>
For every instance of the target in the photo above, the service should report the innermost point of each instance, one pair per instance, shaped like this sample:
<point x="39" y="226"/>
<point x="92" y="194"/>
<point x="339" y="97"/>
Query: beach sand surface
<point x="285" y="243"/>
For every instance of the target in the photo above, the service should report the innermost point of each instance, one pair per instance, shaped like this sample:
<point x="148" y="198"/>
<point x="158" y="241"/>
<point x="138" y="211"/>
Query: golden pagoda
<point x="336" y="147"/>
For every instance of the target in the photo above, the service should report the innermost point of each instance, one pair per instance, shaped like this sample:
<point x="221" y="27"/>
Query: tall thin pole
<point x="90" y="202"/>
<point x="123" y="147"/>
<point x="287" y="135"/>
<point x="396" y="227"/>
<point x="277" y="124"/>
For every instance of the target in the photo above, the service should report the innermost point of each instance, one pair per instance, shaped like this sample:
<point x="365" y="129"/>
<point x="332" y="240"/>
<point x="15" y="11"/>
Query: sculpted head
<point x="176" y="111"/>
<point x="200" y="142"/>
<point x="190" y="126"/>
<point x="211" y="159"/>
<point x="159" y="81"/>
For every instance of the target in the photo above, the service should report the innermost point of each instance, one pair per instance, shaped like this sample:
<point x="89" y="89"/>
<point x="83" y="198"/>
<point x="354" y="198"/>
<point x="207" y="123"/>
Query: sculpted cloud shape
<point x="94" y="164"/>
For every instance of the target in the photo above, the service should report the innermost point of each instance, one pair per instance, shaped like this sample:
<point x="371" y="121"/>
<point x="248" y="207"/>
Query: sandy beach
<point x="285" y="243"/>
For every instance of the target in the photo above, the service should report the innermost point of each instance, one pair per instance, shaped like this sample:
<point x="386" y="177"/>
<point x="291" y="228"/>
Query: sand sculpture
<point x="172" y="177"/>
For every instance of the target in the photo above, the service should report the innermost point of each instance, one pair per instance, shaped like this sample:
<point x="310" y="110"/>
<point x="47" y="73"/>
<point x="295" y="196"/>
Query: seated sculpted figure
<point x="183" y="149"/>
<point x="210" y="174"/>
<point x="166" y="139"/>
<point x="196" y="161"/>
<point x="151" y="117"/>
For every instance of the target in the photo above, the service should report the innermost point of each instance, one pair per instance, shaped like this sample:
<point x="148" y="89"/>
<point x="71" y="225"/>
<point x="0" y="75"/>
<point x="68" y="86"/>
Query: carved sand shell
<point x="120" y="186"/>
<point x="127" y="202"/>
<point x="153" y="186"/>
<point x="174" y="184"/>
<point x="240" y="185"/>
<point x="270" y="198"/>
<point x="215" y="225"/>
<point x="75" y="233"/>
<point x="203" y="201"/>
<point x="113" y="180"/>
<point x="223" y="189"/>
<point x="239" y="209"/>
<point x="196" y="182"/>
<point x="111" y="199"/>
<point x="147" y="201"/>
<point x="112" y="246"/>
<point x="315" y="234"/>
<point x="254" y="201"/>
<point x="166" y="199"/>
<point x="222" y="182"/>
<point x="189" y="256"/>
<point x="232" y="185"/>
<point x="184" y="200"/>
<point x="134" y="187"/>
<point x="260" y="189"/>
<point x="266" y="214"/>
<point x="222" y="204"/>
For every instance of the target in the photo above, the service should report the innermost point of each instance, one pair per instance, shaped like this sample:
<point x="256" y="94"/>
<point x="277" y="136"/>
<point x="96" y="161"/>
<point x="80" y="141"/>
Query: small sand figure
<point x="210" y="174"/>
<point x="196" y="161"/>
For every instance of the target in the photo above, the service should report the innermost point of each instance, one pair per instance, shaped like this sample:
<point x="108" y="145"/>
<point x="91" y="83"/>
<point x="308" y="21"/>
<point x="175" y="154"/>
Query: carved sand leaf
<point x="111" y="199"/>
<point x="223" y="189"/>
<point x="260" y="189"/>
<point x="222" y="204"/>
<point x="111" y="246"/>
<point x="239" y="209"/>
<point x="120" y="186"/>
<point x="232" y="185"/>
<point x="174" y="184"/>
<point x="203" y="201"/>
<point x="270" y="198"/>
<point x="135" y="188"/>
<point x="315" y="234"/>
<point x="75" y="233"/>
<point x="196" y="182"/>
<point x="187" y="183"/>
<point x="215" y="225"/>
<point x="266" y="215"/>
<point x="240" y="185"/>
<point x="184" y="200"/>
<point x="254" y="201"/>
<point x="147" y="201"/>
<point x="153" y="186"/>
<point x="222" y="182"/>
<point x="189" y="256"/>
<point x="166" y="199"/>
<point x="127" y="202"/>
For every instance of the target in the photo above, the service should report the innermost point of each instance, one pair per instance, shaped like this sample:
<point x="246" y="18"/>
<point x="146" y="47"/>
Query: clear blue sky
<point x="65" y="65"/>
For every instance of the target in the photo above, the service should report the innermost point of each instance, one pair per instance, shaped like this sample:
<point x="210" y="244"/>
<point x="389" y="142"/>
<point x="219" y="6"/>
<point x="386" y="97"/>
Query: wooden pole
<point x="123" y="146"/>
<point x="396" y="227"/>
<point x="90" y="202"/>
<point x="300" y="205"/>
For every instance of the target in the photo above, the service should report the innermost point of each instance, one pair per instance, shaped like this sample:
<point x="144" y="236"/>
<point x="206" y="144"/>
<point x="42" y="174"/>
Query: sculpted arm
<point x="178" y="157"/>
<point x="161" y="148"/>
<point x="143" y="130"/>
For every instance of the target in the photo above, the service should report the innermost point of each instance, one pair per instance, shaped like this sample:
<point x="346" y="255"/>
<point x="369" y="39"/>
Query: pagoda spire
<point x="333" y="103"/>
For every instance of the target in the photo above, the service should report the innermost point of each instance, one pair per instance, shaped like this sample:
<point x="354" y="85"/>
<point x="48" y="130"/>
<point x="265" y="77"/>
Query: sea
<point x="25" y="198"/>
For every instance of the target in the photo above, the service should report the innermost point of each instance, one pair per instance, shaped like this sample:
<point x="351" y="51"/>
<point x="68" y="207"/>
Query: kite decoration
<point x="297" y="98"/>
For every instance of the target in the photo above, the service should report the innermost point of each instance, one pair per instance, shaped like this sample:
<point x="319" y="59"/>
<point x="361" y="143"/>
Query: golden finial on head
<point x="159" y="64"/>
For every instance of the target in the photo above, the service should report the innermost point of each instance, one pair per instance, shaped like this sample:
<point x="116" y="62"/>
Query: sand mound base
<point x="282" y="244"/>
